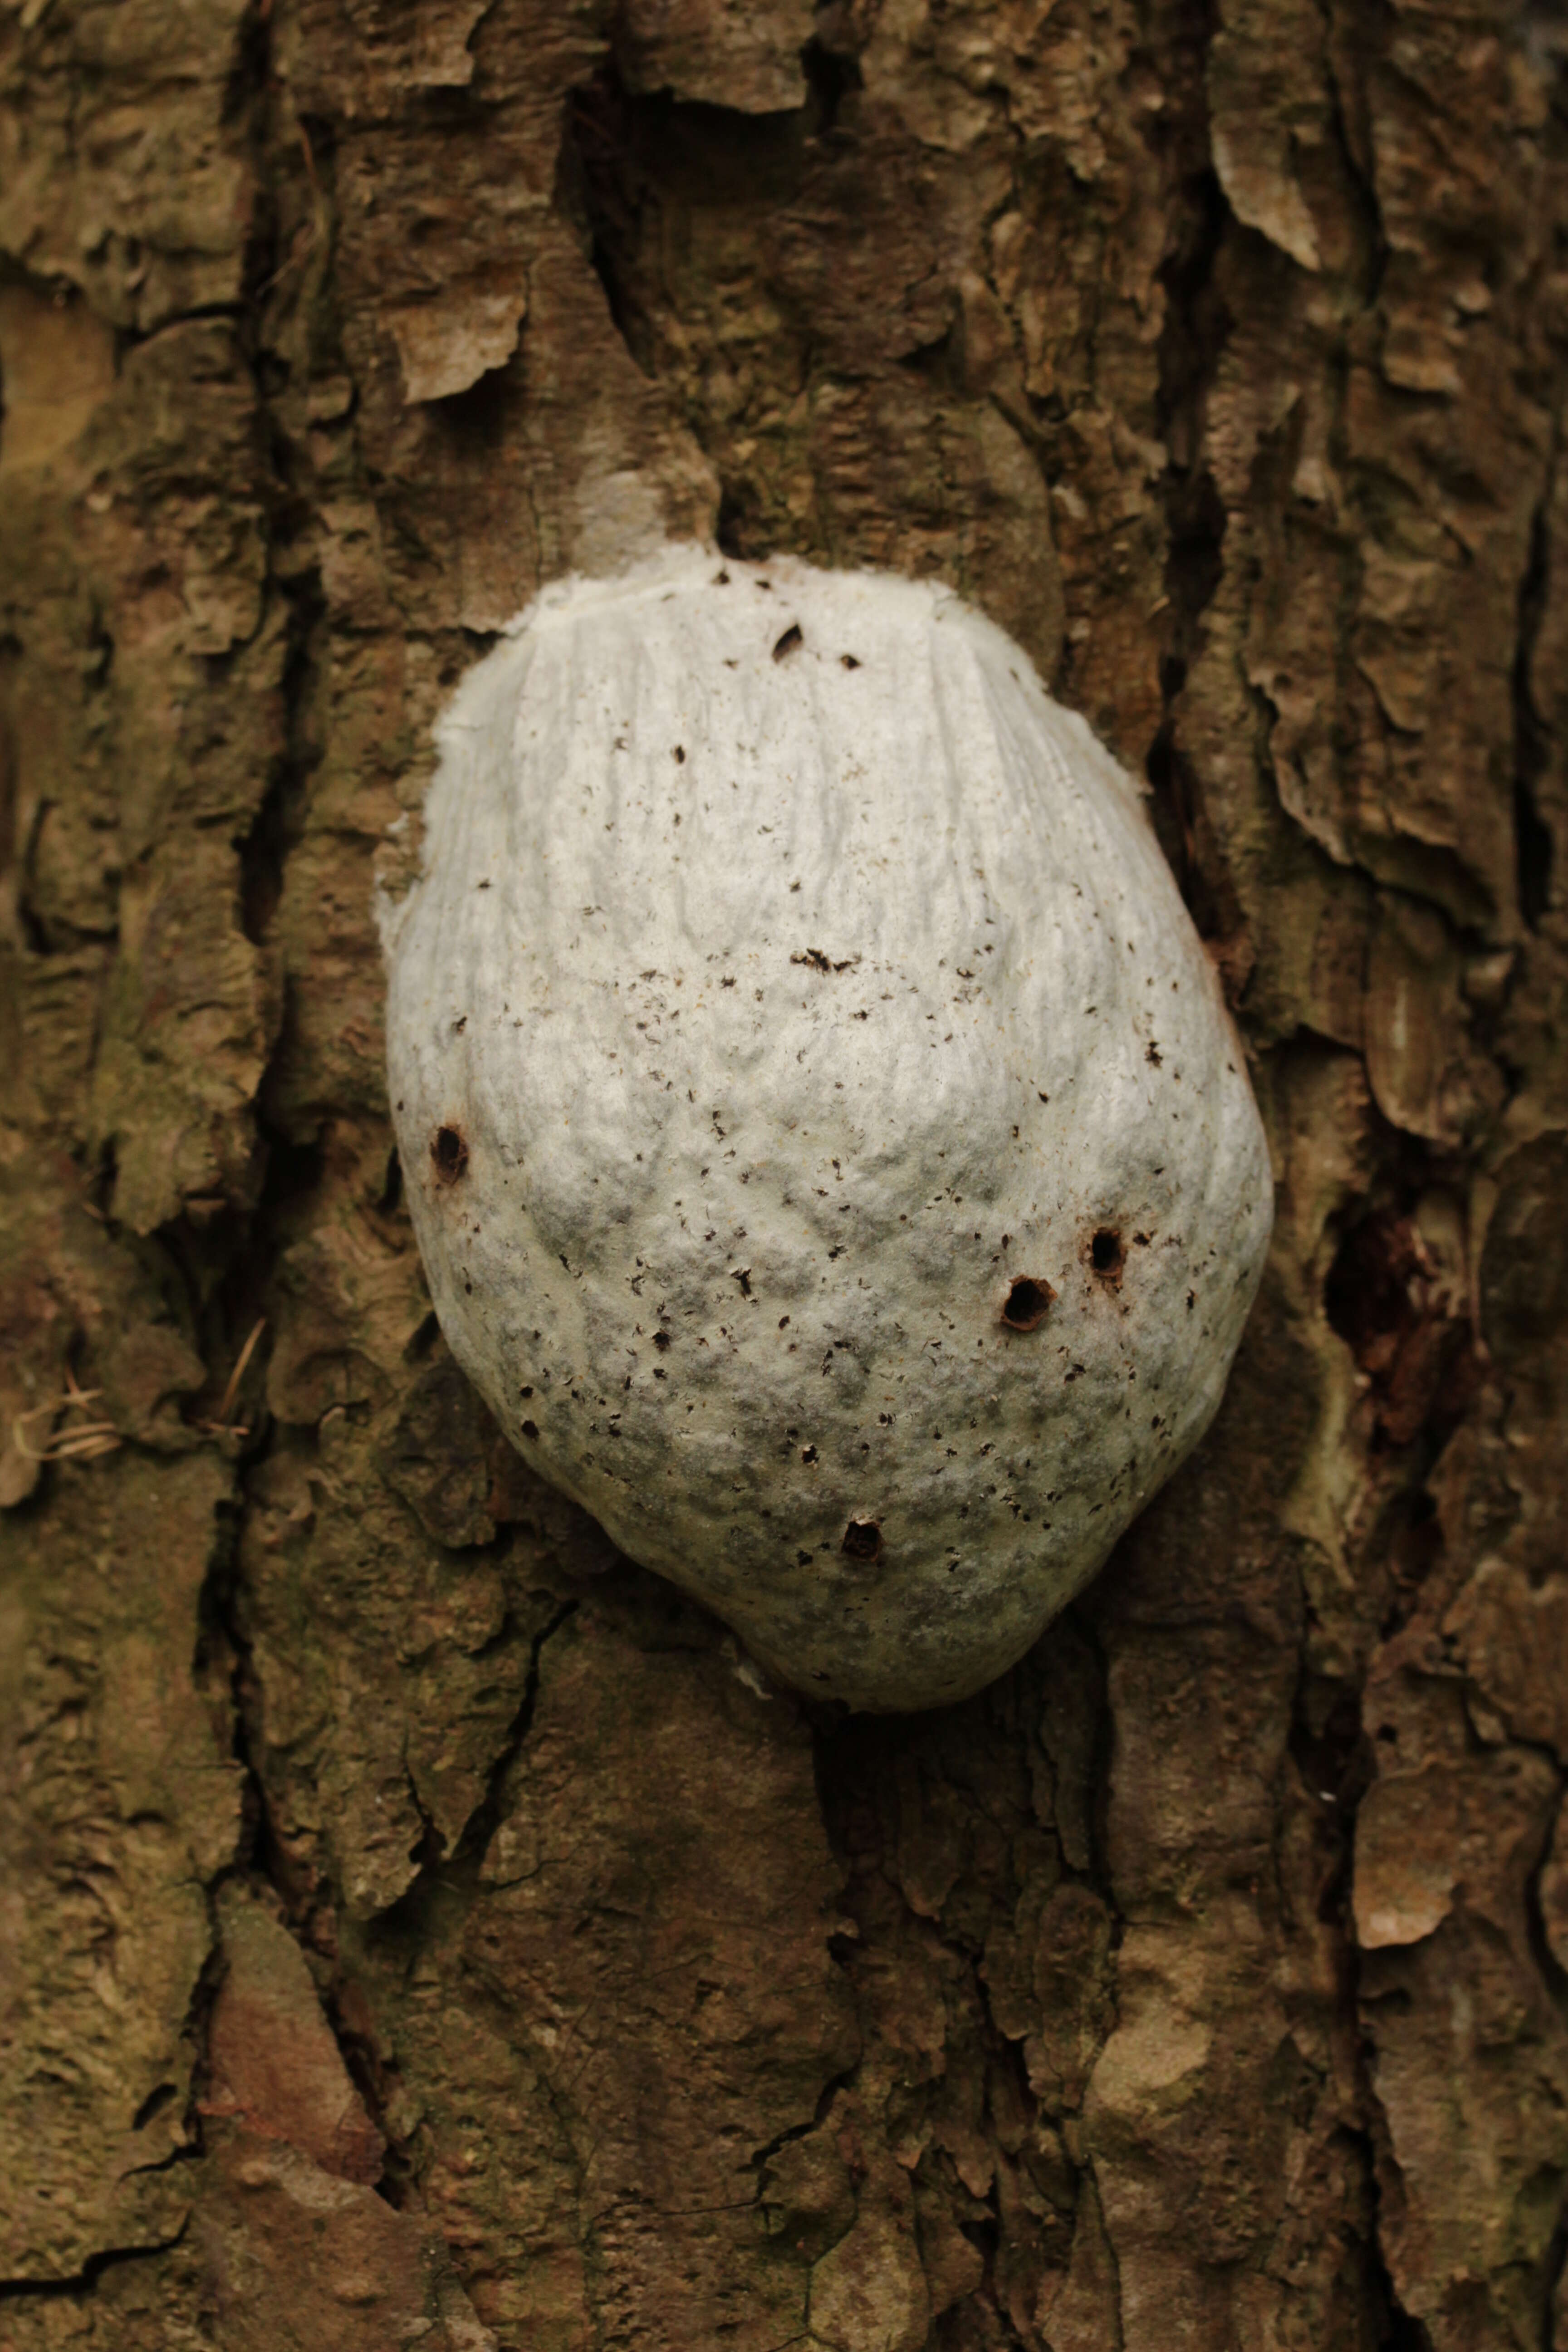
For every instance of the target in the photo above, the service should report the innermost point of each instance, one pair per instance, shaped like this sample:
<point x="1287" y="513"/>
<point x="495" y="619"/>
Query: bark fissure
<point x="20" y="2292"/>
<point x="1531" y="742"/>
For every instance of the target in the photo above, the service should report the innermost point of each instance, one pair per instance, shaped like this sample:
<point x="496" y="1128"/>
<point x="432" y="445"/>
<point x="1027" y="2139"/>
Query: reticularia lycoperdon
<point x="829" y="1149"/>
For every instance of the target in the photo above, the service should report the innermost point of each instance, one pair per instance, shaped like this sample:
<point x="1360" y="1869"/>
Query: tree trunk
<point x="419" y="1925"/>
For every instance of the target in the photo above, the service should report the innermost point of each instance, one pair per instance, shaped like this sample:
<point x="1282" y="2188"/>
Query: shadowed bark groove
<point x="420" y="1922"/>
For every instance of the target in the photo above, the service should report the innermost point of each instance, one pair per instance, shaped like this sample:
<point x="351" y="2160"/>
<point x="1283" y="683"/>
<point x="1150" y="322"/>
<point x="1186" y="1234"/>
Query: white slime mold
<point x="830" y="1153"/>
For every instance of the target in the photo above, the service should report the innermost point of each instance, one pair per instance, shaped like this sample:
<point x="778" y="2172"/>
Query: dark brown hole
<point x="449" y="1152"/>
<point x="424" y="1340"/>
<point x="1106" y="1254"/>
<point x="661" y="1339"/>
<point x="863" y="1539"/>
<point x="530" y="1429"/>
<point x="1027" y="1303"/>
<point x="789" y="642"/>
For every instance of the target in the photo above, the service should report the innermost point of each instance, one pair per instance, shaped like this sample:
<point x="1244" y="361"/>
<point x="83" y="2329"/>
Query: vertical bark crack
<point x="1192" y="344"/>
<point x="1532" y="737"/>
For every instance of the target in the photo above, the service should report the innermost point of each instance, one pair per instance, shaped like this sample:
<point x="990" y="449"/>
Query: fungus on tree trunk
<point x="818" y="1107"/>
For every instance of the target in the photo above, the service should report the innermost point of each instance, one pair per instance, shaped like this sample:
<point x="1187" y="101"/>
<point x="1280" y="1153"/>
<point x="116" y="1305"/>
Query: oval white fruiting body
<point x="789" y="977"/>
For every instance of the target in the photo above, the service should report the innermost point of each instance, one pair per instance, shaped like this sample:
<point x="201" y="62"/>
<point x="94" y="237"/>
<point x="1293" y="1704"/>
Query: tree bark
<point x="418" y="1925"/>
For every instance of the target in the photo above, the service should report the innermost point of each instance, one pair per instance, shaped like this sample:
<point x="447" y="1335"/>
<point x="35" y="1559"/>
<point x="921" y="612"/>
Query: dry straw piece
<point x="223" y="1423"/>
<point x="830" y="1153"/>
<point x="81" y="1440"/>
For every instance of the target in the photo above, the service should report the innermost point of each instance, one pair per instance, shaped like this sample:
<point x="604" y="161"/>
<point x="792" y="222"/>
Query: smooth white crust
<point x="790" y="1000"/>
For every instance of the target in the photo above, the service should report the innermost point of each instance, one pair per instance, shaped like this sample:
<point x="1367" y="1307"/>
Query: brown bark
<point x="415" y="1923"/>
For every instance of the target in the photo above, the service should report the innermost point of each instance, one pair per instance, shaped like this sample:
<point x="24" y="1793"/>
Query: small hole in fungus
<point x="1107" y="1255"/>
<point x="786" y="644"/>
<point x="661" y="1340"/>
<point x="449" y="1152"/>
<point x="1027" y="1303"/>
<point x="530" y="1429"/>
<point x="863" y="1539"/>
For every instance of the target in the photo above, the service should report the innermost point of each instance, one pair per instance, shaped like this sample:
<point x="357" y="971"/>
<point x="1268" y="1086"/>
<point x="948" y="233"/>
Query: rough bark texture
<point x="414" y="1924"/>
